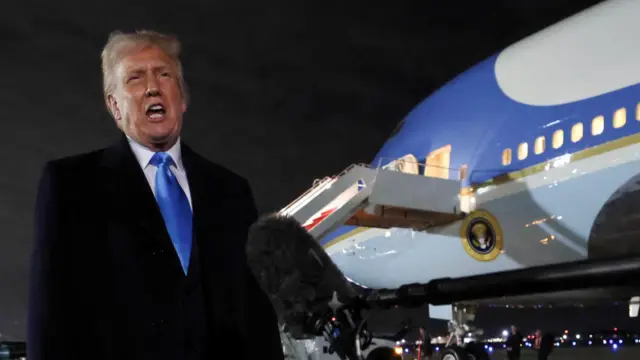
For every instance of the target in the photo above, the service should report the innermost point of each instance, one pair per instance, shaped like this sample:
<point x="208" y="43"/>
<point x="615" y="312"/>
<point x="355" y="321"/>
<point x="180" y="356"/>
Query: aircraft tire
<point x="475" y="351"/>
<point x="383" y="353"/>
<point x="455" y="353"/>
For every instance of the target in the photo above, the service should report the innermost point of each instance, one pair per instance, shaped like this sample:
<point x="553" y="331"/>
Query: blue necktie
<point x="174" y="207"/>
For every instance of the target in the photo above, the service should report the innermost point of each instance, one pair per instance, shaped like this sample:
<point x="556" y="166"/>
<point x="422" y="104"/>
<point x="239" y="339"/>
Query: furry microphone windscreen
<point x="292" y="267"/>
<point x="278" y="254"/>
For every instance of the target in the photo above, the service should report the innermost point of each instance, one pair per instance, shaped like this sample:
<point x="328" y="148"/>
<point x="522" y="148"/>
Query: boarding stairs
<point x="376" y="197"/>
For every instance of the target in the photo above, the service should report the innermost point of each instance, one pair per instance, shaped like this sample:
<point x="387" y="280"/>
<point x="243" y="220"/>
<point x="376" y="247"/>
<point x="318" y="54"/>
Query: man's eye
<point x="165" y="74"/>
<point x="134" y="77"/>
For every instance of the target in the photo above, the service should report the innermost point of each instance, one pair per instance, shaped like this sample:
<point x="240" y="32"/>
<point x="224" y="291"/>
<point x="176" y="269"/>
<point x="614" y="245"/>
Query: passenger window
<point x="619" y="118"/>
<point x="597" y="125"/>
<point x="558" y="139"/>
<point x="538" y="147"/>
<point x="438" y="163"/>
<point x="523" y="151"/>
<point x="576" y="132"/>
<point x="506" y="157"/>
<point x="463" y="172"/>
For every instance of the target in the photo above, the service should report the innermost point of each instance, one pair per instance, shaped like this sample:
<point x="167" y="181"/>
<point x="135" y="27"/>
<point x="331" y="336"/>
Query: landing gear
<point x="455" y="353"/>
<point x="475" y="351"/>
<point x="459" y="328"/>
<point x="383" y="353"/>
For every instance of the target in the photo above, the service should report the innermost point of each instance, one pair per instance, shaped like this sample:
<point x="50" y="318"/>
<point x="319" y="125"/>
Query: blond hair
<point x="121" y="44"/>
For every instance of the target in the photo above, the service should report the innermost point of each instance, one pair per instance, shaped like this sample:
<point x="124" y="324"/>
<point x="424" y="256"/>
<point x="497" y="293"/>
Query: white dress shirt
<point x="144" y="155"/>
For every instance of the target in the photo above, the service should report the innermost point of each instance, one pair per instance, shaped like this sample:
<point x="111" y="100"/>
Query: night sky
<point x="283" y="92"/>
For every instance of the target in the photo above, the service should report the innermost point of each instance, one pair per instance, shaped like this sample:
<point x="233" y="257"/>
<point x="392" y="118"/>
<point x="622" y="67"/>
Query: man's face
<point x="147" y="103"/>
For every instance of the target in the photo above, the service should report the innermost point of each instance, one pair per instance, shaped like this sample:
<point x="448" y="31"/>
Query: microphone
<point x="307" y="290"/>
<point x="291" y="266"/>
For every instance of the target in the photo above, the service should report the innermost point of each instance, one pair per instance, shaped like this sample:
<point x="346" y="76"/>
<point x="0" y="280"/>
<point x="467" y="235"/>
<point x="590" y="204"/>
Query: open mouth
<point x="156" y="111"/>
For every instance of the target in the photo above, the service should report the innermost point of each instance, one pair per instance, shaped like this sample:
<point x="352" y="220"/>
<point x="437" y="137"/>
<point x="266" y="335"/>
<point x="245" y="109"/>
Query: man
<point x="425" y="350"/>
<point x="543" y="344"/>
<point x="139" y="248"/>
<point x="514" y="340"/>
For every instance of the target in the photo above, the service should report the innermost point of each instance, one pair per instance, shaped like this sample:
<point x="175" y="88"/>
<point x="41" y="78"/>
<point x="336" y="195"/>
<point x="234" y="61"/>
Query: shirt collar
<point x="143" y="154"/>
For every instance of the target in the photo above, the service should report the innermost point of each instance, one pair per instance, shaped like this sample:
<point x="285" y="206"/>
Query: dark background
<point x="283" y="91"/>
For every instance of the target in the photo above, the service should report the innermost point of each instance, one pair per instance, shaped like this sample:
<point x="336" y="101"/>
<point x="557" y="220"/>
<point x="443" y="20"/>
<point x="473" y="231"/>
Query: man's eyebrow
<point x="161" y="68"/>
<point x="133" y="71"/>
<point x="137" y="70"/>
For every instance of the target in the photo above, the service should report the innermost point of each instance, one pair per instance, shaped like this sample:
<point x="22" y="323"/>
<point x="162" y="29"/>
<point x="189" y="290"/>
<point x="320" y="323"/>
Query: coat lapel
<point x="207" y="203"/>
<point x="210" y="230"/>
<point x="131" y="202"/>
<point x="129" y="195"/>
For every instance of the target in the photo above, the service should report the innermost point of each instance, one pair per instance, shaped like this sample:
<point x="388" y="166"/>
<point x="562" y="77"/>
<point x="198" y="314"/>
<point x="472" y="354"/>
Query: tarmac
<point x="599" y="353"/>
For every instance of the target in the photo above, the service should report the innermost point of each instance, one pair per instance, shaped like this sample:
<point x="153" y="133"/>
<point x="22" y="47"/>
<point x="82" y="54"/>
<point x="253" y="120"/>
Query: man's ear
<point x="113" y="107"/>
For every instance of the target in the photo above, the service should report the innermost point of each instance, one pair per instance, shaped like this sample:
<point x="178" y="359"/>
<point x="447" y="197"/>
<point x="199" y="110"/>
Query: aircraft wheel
<point x="475" y="351"/>
<point x="455" y="353"/>
<point x="383" y="353"/>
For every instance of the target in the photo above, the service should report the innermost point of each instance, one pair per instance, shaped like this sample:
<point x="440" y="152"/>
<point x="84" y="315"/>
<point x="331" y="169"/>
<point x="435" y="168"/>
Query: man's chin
<point x="162" y="141"/>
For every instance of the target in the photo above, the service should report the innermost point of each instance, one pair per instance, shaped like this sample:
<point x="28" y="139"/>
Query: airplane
<point x="531" y="157"/>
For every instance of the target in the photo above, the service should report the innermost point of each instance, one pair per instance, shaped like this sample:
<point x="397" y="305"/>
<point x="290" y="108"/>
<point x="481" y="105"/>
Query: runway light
<point x="564" y="337"/>
<point x="589" y="342"/>
<point x="486" y="347"/>
<point x="437" y="348"/>
<point x="610" y="341"/>
<point x="620" y="341"/>
<point x="615" y="346"/>
<point x="574" y="343"/>
<point x="504" y="346"/>
<point x="505" y="333"/>
<point x="490" y="349"/>
<point x="578" y="336"/>
<point x="604" y="342"/>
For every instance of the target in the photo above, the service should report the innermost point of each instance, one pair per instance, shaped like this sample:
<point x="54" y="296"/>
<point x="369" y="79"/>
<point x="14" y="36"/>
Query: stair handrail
<point x="316" y="185"/>
<point x="322" y="182"/>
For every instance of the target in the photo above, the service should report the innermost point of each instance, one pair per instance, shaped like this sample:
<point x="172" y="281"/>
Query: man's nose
<point x="152" y="88"/>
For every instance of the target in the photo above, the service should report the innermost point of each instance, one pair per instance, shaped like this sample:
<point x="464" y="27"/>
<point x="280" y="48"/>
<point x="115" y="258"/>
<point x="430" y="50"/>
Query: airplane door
<point x="438" y="163"/>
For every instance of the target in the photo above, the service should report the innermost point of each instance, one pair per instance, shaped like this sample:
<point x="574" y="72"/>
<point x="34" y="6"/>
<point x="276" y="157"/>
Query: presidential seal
<point x="481" y="235"/>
